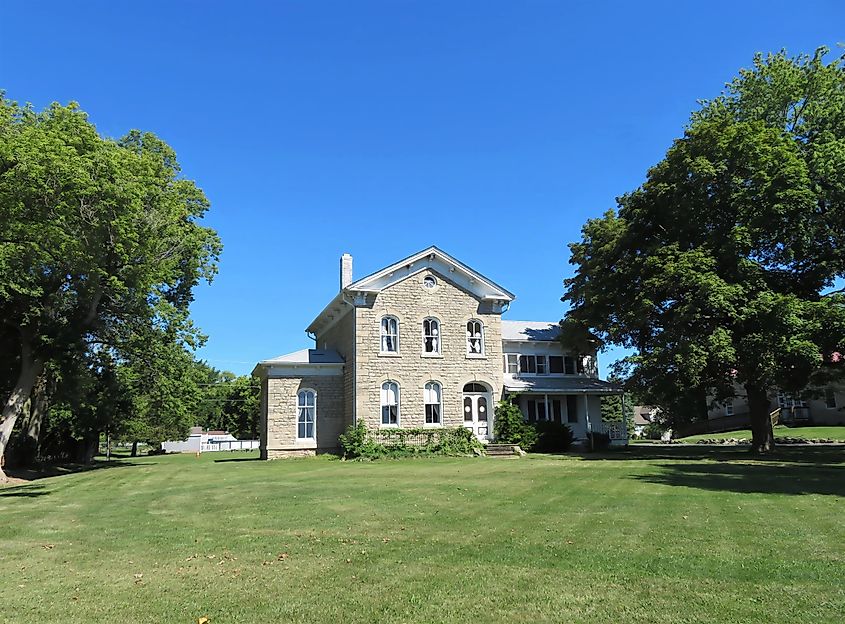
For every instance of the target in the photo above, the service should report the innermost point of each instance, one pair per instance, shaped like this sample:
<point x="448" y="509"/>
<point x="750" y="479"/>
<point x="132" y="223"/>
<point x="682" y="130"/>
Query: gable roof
<point x="438" y="260"/>
<point x="432" y="258"/>
<point x="531" y="331"/>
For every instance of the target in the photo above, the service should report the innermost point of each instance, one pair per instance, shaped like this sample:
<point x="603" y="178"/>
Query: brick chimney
<point x="345" y="270"/>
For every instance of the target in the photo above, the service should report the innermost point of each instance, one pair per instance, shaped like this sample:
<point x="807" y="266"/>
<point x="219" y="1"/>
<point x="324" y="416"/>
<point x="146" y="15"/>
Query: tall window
<point x="389" y="334"/>
<point x="475" y="338"/>
<point x="555" y="364"/>
<point x="431" y="336"/>
<point x="390" y="403"/>
<point x="511" y="363"/>
<point x="729" y="407"/>
<point x="432" y="398"/>
<point x="306" y="414"/>
<point x="830" y="398"/>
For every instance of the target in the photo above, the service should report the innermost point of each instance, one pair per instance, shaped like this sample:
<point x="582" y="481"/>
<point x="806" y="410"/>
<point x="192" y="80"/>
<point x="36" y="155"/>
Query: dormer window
<point x="389" y="334"/>
<point x="475" y="338"/>
<point x="431" y="336"/>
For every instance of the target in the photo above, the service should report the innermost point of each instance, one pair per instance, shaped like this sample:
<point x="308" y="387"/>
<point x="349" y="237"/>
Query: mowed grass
<point x="807" y="433"/>
<point x="647" y="535"/>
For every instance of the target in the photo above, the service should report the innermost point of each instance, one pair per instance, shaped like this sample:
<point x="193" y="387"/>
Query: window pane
<point x="830" y="398"/>
<point x="557" y="411"/>
<point x="532" y="410"/>
<point x="570" y="365"/>
<point x="512" y="360"/>
<point x="555" y="364"/>
<point x="541" y="364"/>
<point x="467" y="408"/>
<point x="482" y="408"/>
<point x="541" y="410"/>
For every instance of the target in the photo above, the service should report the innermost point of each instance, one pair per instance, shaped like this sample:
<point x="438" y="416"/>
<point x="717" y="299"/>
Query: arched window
<point x="475" y="387"/>
<point x="390" y="403"/>
<point x="431" y="336"/>
<point x="433" y="399"/>
<point x="475" y="338"/>
<point x="306" y="414"/>
<point x="389" y="334"/>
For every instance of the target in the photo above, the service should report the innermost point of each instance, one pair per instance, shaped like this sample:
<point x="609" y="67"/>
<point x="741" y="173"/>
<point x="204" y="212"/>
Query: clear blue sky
<point x="491" y="129"/>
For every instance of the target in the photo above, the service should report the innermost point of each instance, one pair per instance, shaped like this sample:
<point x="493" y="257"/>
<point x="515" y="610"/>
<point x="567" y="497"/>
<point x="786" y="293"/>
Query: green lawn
<point x="834" y="433"/>
<point x="649" y="535"/>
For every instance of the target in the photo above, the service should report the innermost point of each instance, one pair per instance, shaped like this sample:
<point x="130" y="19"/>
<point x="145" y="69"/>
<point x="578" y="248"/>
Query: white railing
<point x="616" y="430"/>
<point x="230" y="445"/>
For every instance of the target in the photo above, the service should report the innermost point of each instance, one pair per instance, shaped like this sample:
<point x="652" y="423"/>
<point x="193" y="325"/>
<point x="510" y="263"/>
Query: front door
<point x="477" y="415"/>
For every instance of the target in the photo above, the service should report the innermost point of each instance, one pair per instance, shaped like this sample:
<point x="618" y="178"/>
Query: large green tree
<point x="99" y="240"/>
<point x="719" y="270"/>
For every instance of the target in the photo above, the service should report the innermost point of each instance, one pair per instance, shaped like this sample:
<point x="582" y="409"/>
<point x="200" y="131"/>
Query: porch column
<point x="589" y="424"/>
<point x="624" y="418"/>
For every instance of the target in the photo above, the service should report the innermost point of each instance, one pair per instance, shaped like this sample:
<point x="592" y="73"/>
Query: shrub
<point x="653" y="431"/>
<point x="597" y="441"/>
<point x="360" y="443"/>
<point x="511" y="427"/>
<point x="357" y="443"/>
<point x="552" y="437"/>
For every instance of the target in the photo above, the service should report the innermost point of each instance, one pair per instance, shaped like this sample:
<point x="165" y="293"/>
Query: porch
<point x="574" y="402"/>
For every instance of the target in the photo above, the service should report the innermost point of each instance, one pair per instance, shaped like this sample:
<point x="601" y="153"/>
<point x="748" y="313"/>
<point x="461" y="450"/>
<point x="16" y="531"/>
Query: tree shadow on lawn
<point x="757" y="477"/>
<point x="237" y="459"/>
<point x="808" y="455"/>
<point x="24" y="491"/>
<point x="43" y="471"/>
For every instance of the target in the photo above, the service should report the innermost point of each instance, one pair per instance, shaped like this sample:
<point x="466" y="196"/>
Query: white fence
<point x="230" y="445"/>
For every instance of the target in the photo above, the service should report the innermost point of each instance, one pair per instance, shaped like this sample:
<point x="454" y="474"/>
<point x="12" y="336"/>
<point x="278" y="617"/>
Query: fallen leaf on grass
<point x="48" y="546"/>
<point x="282" y="556"/>
<point x="203" y="620"/>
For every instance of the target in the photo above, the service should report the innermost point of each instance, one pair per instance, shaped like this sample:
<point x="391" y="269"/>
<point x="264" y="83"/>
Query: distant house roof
<point x="560" y="385"/>
<point x="645" y="414"/>
<point x="306" y="356"/>
<point x="530" y="330"/>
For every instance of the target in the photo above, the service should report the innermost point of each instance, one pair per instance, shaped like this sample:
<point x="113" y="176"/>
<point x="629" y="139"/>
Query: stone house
<point x="422" y="343"/>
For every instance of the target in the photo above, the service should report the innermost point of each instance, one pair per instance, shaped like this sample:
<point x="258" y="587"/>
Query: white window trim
<point x="381" y="336"/>
<point x="398" y="405"/>
<point x="483" y="353"/>
<point x="298" y="407"/>
<point x="506" y="356"/>
<point x="729" y="408"/>
<point x="440" y="394"/>
<point x="439" y="352"/>
<point x="830" y="393"/>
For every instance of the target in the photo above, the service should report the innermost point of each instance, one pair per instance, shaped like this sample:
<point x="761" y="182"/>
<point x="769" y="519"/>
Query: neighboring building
<point x="644" y="415"/>
<point x="826" y="409"/>
<point x="421" y="343"/>
<point x="202" y="441"/>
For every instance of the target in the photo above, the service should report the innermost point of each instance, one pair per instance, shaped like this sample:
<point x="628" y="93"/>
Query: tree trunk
<point x="134" y="449"/>
<point x="762" y="435"/>
<point x="30" y="370"/>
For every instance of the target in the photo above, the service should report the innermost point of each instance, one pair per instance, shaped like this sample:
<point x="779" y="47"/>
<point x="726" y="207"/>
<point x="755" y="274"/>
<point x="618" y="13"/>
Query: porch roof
<point x="560" y="385"/>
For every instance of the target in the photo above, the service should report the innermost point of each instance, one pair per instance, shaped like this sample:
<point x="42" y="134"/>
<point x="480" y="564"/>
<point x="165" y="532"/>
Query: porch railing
<point x="616" y="430"/>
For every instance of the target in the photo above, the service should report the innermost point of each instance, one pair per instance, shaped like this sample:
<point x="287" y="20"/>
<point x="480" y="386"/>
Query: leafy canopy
<point x="715" y="270"/>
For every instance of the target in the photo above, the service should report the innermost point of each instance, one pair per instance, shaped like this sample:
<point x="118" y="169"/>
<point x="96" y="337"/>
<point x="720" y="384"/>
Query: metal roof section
<point x="306" y="356"/>
<point x="530" y="331"/>
<point x="560" y="385"/>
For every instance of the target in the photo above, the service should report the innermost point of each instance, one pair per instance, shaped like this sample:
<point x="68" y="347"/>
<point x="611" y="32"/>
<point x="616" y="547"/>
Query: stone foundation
<point x="288" y="453"/>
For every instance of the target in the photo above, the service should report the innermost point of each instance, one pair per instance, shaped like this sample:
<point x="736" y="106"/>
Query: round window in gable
<point x="429" y="283"/>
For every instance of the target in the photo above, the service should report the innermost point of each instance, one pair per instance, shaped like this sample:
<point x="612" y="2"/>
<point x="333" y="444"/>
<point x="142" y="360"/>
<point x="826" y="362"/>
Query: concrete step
<point x="502" y="450"/>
